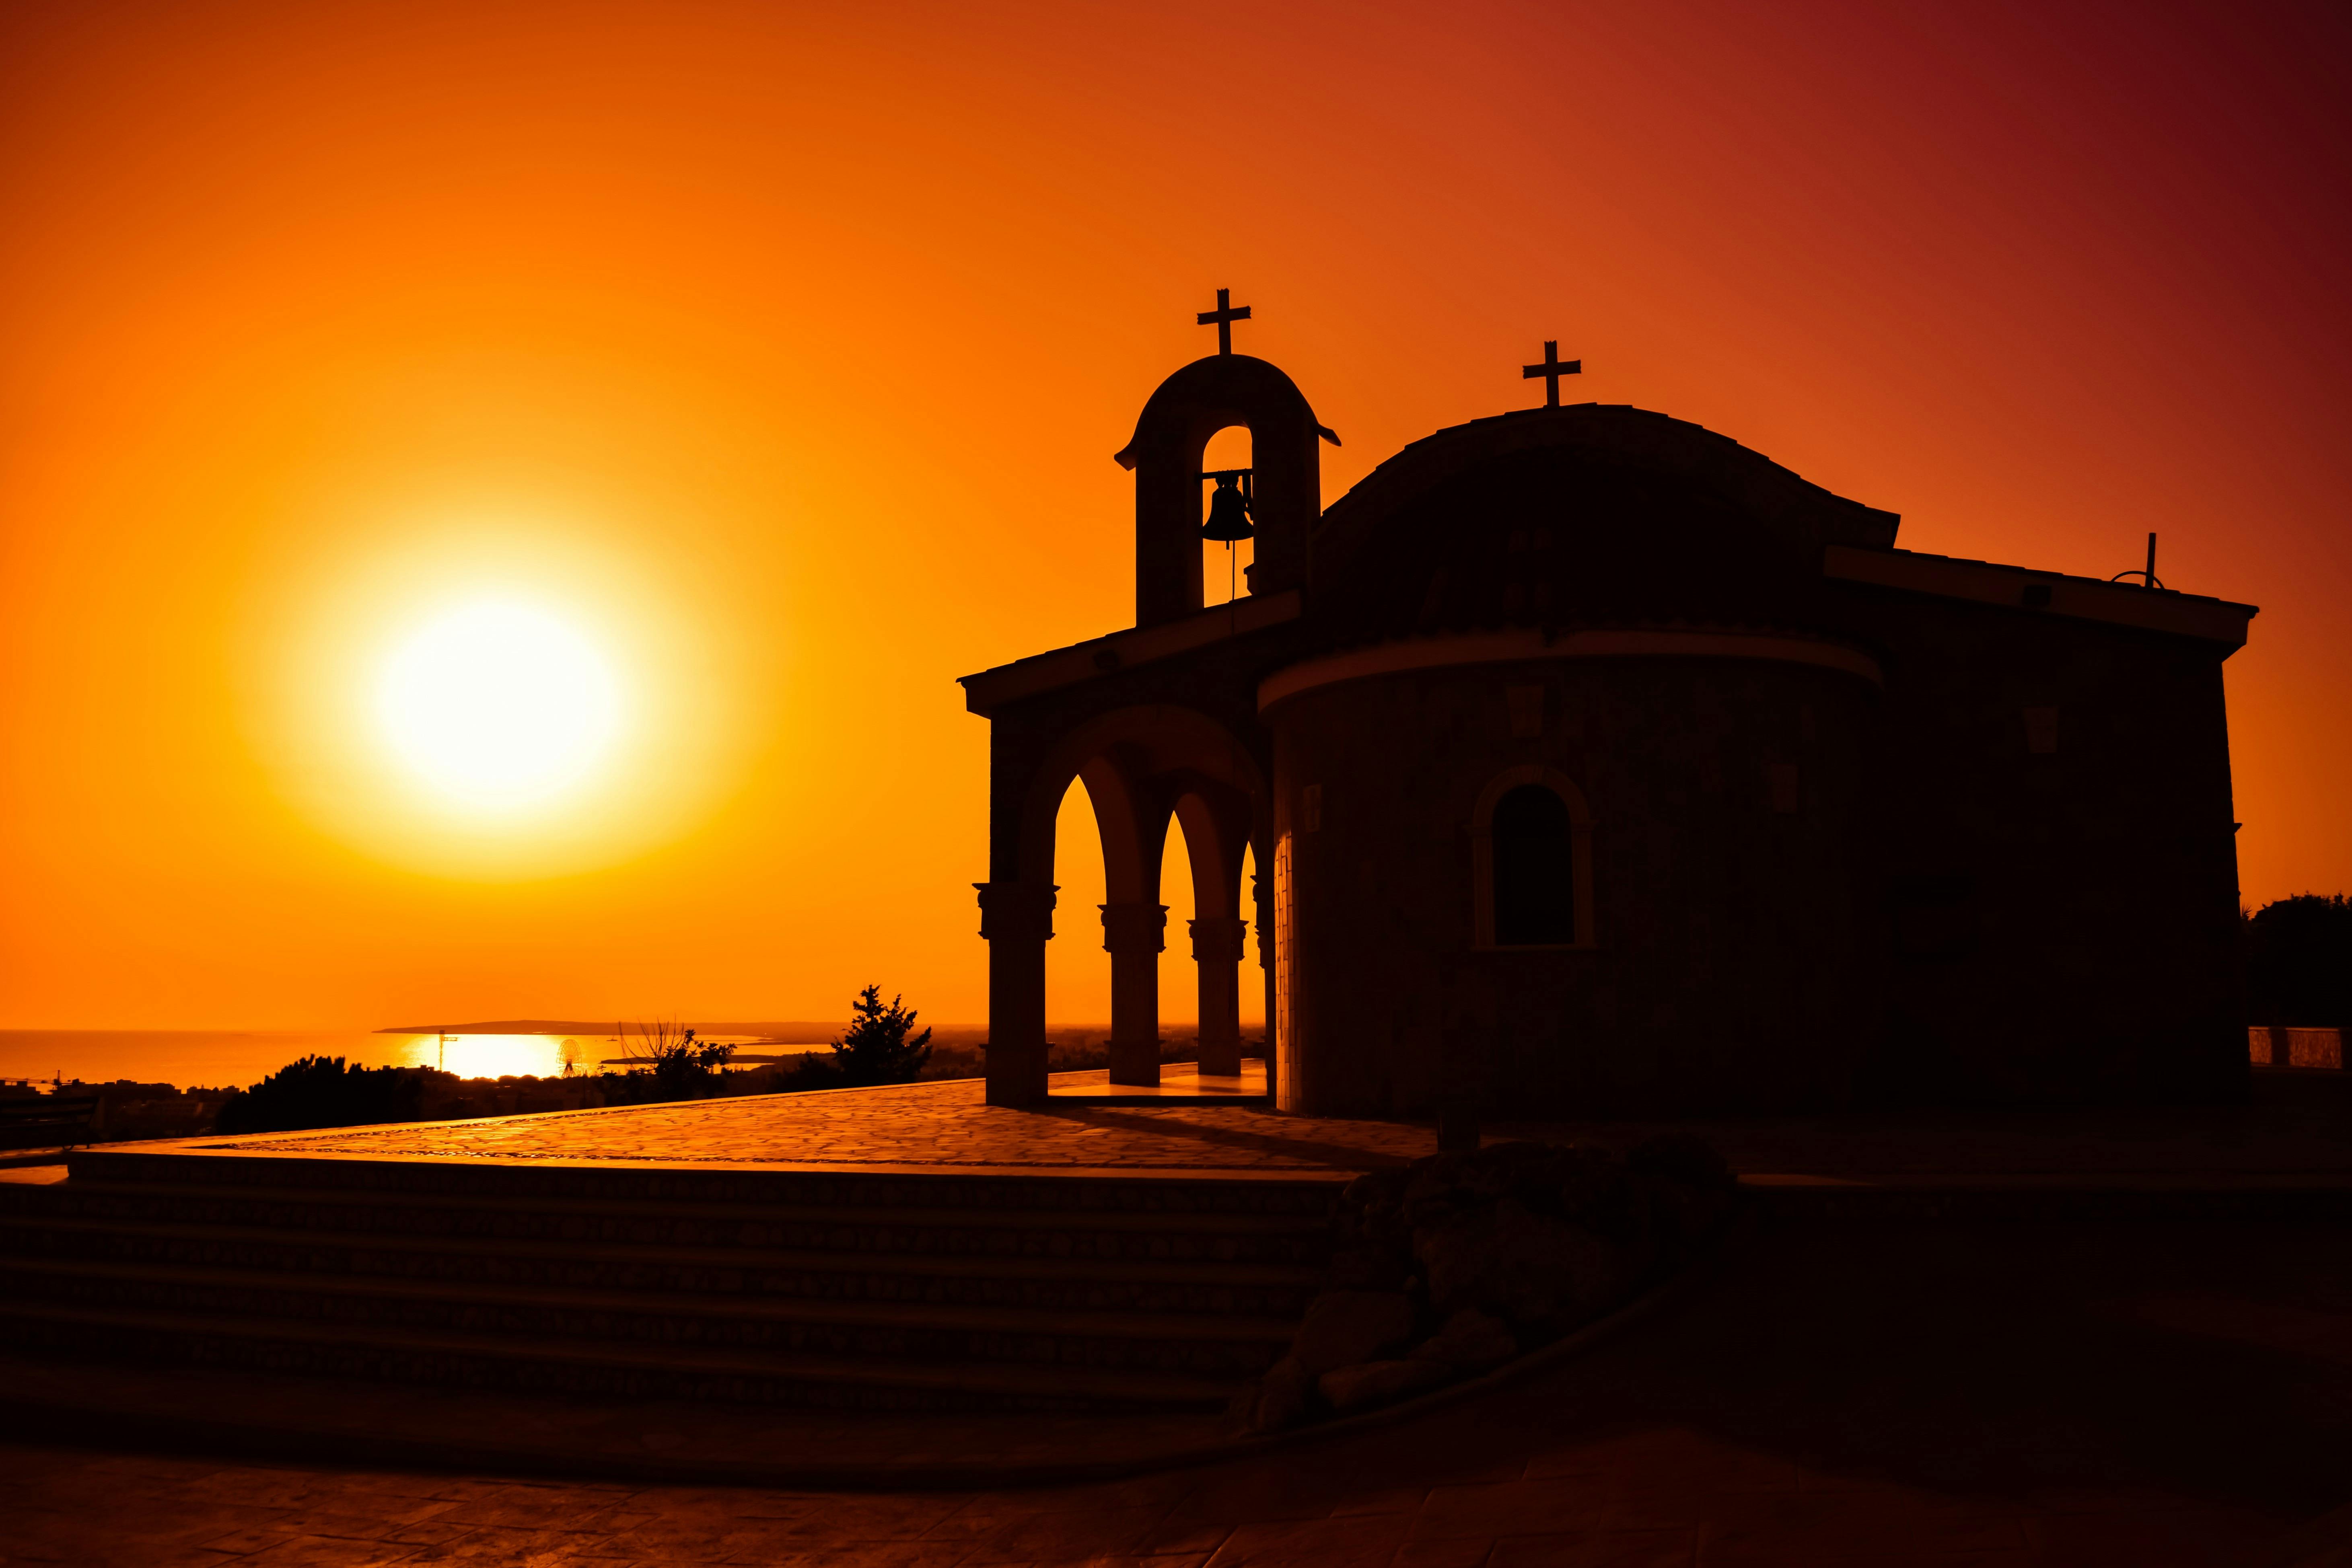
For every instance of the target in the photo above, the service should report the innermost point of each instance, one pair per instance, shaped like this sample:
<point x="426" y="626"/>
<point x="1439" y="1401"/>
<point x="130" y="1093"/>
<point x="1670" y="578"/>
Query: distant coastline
<point x="240" y="1057"/>
<point x="795" y="1031"/>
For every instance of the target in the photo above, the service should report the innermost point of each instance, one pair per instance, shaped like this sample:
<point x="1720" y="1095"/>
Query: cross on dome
<point x="1224" y="315"/>
<point x="1551" y="369"/>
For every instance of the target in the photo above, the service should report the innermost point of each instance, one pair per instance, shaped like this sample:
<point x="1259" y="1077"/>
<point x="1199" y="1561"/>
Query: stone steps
<point x="1211" y="1345"/>
<point x="1262" y="1289"/>
<point x="927" y="1288"/>
<point x="654" y="1372"/>
<point x="868" y="1231"/>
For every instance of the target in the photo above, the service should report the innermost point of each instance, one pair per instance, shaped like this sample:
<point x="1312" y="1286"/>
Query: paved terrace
<point x="2165" y="1391"/>
<point x="2168" y="1396"/>
<point x="2296" y="1127"/>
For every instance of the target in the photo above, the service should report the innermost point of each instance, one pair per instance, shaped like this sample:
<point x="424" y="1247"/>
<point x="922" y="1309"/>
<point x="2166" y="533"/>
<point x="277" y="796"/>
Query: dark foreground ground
<point x="2142" y="1394"/>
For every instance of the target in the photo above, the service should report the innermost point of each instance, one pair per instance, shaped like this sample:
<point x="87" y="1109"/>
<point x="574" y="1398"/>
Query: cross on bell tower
<point x="1551" y="369"/>
<point x="1224" y="315"/>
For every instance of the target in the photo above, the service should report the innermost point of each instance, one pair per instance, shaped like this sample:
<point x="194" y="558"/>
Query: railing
<point x="2270" y="1045"/>
<point x="47" y="1121"/>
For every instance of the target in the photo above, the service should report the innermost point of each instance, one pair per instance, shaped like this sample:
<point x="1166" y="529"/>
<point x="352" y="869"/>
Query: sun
<point x="497" y="704"/>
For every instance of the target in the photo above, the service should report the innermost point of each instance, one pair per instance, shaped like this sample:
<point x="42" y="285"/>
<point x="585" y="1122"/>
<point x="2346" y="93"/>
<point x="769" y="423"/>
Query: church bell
<point x="1229" y="516"/>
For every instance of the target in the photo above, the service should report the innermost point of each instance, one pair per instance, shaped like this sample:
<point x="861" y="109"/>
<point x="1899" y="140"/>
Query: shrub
<point x="2299" y="962"/>
<point x="680" y="1068"/>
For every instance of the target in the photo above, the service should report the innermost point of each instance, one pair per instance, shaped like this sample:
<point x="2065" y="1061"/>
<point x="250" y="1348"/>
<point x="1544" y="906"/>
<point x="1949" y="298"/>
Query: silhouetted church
<point x="1594" y="764"/>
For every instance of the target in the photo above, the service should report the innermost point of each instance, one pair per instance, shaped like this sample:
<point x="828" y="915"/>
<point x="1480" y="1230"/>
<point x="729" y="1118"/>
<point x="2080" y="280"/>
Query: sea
<point x="221" y="1059"/>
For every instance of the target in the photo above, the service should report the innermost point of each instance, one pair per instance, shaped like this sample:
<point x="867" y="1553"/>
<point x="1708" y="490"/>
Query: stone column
<point x="1018" y="920"/>
<point x="1262" y="901"/>
<point x="1217" y="947"/>
<point x="1133" y="935"/>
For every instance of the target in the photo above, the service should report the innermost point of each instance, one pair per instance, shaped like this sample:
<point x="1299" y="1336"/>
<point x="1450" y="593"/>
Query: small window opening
<point x="1535" y="865"/>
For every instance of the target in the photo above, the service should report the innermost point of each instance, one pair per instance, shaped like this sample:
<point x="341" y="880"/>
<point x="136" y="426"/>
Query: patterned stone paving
<point x="2294" y="1125"/>
<point x="939" y="1124"/>
<point x="2041" y="1397"/>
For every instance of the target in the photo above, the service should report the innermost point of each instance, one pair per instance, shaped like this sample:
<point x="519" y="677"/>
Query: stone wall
<point x="2060" y="869"/>
<point x="1726" y="964"/>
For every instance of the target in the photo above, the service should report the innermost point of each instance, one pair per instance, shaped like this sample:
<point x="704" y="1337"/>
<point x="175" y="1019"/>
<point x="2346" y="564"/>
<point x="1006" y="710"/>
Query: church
<point x="1593" y="765"/>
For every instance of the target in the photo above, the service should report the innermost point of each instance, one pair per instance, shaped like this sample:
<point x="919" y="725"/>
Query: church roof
<point x="1634" y="436"/>
<point x="2053" y="593"/>
<point x="1592" y="514"/>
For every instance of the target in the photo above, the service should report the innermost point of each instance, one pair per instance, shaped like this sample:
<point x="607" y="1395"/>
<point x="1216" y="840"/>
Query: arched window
<point x="1535" y="869"/>
<point x="1532" y="860"/>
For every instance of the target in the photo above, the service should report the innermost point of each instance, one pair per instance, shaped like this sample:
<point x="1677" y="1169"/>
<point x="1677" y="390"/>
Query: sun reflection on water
<point x="503" y="1055"/>
<point x="531" y="1055"/>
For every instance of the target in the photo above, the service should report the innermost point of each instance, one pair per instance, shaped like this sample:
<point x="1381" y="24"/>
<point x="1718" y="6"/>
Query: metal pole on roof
<point x="2146" y="575"/>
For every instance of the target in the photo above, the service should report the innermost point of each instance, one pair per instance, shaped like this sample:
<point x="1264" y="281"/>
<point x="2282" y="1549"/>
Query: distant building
<point x="1594" y="764"/>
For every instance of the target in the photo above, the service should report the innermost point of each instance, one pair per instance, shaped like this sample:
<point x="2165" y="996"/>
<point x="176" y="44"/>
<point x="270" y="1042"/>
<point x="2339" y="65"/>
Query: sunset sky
<point x="759" y="367"/>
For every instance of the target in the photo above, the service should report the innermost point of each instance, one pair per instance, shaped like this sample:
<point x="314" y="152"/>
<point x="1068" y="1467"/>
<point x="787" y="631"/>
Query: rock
<point x="1278" y="1399"/>
<point x="1471" y="1341"/>
<point x="1525" y="1267"/>
<point x="1447" y="1184"/>
<point x="1372" y="1212"/>
<point x="1680" y="1216"/>
<point x="1364" y="1267"/>
<point x="1692" y="1192"/>
<point x="1591" y="1191"/>
<point x="1360" y="1387"/>
<point x="1375" y="1188"/>
<point x="1344" y="1327"/>
<point x="1241" y="1410"/>
<point x="1681" y="1157"/>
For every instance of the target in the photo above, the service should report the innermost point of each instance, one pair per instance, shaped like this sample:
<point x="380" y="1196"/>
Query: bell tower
<point x="1286" y="485"/>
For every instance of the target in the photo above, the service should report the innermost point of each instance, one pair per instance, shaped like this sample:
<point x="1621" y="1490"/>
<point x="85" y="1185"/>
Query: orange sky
<point x="790" y="345"/>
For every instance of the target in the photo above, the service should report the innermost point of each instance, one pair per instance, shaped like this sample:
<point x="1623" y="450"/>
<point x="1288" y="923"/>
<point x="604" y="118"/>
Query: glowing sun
<point x="497" y="704"/>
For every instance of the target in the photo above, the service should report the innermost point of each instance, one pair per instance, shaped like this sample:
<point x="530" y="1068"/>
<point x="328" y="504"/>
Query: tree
<point x="877" y="1048"/>
<point x="321" y="1092"/>
<point x="2299" y="962"/>
<point x="679" y="1067"/>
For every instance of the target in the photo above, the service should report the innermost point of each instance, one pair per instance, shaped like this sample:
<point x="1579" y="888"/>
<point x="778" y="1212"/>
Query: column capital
<point x="1219" y="941"/>
<point x="1017" y="911"/>
<point x="1134" y="927"/>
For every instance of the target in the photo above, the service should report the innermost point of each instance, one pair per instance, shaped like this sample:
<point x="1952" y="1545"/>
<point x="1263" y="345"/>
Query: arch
<point x="1129" y="748"/>
<point x="1130" y="846"/>
<point x="1216" y="833"/>
<point x="1188" y="408"/>
<point x="1140" y="765"/>
<point x="1216" y="824"/>
<point x="1482" y="857"/>
<point x="1229" y="446"/>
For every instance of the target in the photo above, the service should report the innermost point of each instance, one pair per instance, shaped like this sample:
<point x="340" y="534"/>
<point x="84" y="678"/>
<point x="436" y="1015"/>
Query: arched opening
<point x="1109" y="1002"/>
<point x="1208" y="976"/>
<point x="1132" y="761"/>
<point x="1180" y="1010"/>
<point x="1535" y="869"/>
<point x="1255" y="1037"/>
<point x="1167" y="457"/>
<point x="1225" y="569"/>
<point x="1532" y="863"/>
<point x="1077" y="974"/>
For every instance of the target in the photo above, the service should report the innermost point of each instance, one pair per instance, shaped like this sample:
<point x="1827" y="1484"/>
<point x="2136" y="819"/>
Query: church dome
<point x="1585" y="516"/>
